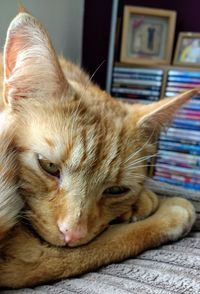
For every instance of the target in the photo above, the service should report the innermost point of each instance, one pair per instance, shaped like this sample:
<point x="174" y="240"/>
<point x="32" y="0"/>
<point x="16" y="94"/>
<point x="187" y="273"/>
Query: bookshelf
<point x="178" y="161"/>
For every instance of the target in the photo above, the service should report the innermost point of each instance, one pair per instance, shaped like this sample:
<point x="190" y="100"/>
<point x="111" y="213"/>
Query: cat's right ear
<point x="31" y="68"/>
<point x="152" y="118"/>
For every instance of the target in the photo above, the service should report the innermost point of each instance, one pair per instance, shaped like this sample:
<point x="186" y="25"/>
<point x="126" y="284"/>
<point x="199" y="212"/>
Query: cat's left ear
<point x="152" y="117"/>
<point x="31" y="68"/>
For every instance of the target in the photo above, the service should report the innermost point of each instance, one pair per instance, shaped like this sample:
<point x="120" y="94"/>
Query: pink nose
<point x="72" y="235"/>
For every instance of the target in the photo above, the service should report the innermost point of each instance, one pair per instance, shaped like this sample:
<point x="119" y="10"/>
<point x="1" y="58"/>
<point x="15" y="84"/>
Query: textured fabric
<point x="172" y="268"/>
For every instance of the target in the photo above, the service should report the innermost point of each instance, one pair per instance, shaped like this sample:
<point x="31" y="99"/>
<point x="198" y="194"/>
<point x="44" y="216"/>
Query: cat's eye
<point x="49" y="167"/>
<point x="116" y="190"/>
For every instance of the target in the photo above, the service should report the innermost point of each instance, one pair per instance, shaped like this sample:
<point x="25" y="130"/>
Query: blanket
<point x="172" y="268"/>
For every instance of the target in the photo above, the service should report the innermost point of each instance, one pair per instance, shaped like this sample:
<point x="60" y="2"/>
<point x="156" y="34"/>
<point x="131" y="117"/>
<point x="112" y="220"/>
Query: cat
<point x="75" y="159"/>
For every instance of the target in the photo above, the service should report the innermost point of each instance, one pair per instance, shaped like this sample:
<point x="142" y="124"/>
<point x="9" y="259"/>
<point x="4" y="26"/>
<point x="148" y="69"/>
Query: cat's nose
<point x="72" y="235"/>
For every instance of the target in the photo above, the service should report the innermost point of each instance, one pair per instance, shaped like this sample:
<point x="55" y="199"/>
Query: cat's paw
<point x="145" y="206"/>
<point x="180" y="217"/>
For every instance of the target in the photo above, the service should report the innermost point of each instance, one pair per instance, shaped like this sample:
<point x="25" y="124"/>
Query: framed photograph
<point x="188" y="50"/>
<point x="147" y="35"/>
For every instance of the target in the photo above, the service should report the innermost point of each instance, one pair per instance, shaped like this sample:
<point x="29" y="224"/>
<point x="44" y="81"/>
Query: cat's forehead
<point x="74" y="133"/>
<point x="85" y="138"/>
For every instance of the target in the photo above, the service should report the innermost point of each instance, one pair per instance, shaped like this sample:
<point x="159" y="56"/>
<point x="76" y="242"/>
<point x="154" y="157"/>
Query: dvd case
<point x="137" y="84"/>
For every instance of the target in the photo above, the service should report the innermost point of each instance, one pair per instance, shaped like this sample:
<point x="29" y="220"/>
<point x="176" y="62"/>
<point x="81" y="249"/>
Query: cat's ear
<point x="31" y="68"/>
<point x="153" y="117"/>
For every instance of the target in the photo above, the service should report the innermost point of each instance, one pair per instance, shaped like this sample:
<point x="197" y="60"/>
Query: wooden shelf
<point x="164" y="67"/>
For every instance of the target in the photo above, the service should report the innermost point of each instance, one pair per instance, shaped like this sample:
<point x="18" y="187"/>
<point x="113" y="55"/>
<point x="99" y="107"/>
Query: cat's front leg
<point x="26" y="261"/>
<point x="146" y="205"/>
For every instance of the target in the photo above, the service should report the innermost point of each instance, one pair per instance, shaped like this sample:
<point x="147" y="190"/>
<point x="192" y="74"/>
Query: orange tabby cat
<point x="82" y="162"/>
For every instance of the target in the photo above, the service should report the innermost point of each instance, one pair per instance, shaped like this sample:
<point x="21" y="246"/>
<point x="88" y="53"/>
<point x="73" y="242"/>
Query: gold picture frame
<point x="187" y="51"/>
<point x="147" y="35"/>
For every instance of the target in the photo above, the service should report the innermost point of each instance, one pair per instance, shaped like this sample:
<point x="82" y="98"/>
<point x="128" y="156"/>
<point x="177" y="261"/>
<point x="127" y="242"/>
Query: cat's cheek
<point x="48" y="232"/>
<point x="57" y="240"/>
<point x="59" y="205"/>
<point x="51" y="235"/>
<point x="43" y="213"/>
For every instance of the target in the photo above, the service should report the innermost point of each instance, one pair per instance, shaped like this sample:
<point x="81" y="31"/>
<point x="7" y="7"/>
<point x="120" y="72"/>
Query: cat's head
<point x="82" y="154"/>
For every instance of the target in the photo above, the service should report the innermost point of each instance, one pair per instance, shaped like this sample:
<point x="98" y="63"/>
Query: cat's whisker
<point x="139" y="160"/>
<point x="139" y="175"/>
<point x="145" y="165"/>
<point x="96" y="70"/>
<point x="133" y="174"/>
<point x="132" y="169"/>
<point x="90" y="79"/>
<point x="144" y="158"/>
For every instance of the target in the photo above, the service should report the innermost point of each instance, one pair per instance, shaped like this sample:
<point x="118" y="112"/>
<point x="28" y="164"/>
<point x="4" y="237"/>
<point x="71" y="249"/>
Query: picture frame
<point x="147" y="35"/>
<point x="187" y="51"/>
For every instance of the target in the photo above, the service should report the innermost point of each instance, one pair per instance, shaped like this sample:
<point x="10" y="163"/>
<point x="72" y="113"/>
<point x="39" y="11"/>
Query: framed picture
<point x="147" y="35"/>
<point x="188" y="50"/>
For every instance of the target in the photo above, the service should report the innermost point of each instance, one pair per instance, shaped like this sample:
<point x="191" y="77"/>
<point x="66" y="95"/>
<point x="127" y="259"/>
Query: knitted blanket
<point x="172" y="268"/>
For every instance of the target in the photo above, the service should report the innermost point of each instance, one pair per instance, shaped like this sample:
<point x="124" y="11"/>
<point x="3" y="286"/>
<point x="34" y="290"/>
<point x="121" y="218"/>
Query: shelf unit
<point x="113" y="62"/>
<point x="165" y="68"/>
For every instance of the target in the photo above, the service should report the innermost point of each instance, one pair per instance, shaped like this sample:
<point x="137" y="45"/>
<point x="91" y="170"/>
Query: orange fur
<point x="10" y="201"/>
<point x="97" y="143"/>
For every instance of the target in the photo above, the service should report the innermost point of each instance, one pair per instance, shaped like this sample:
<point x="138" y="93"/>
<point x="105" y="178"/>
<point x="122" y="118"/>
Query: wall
<point x="63" y="20"/>
<point x="96" y="38"/>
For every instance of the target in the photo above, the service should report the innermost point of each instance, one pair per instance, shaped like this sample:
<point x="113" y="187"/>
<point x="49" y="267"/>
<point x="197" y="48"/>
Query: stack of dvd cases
<point x="178" y="161"/>
<point x="137" y="84"/>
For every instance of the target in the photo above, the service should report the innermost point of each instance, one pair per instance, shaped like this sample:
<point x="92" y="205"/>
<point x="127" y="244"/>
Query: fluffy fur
<point x="10" y="202"/>
<point x="97" y="143"/>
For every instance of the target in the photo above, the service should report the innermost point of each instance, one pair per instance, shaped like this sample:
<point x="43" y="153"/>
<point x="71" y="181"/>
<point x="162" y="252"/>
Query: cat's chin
<point x="62" y="243"/>
<point x="79" y="243"/>
<point x="56" y="240"/>
<point x="59" y="241"/>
